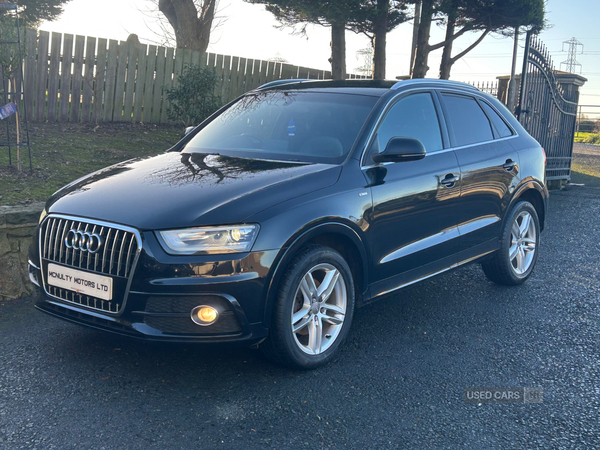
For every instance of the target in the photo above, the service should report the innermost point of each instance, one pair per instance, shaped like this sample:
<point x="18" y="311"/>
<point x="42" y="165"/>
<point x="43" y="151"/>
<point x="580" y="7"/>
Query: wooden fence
<point x="83" y="79"/>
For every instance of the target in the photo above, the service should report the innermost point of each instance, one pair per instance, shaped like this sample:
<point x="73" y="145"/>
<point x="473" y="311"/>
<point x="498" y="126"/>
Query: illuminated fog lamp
<point x="204" y="315"/>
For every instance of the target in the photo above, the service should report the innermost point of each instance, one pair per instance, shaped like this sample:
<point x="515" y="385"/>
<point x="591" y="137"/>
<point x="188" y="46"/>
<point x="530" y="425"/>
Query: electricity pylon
<point x="571" y="63"/>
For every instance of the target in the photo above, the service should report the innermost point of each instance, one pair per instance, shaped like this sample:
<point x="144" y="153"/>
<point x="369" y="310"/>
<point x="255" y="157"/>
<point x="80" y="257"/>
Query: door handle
<point x="509" y="165"/>
<point x="450" y="180"/>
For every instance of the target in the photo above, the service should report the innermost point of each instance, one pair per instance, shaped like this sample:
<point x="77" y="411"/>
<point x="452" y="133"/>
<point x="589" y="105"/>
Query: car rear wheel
<point x="519" y="243"/>
<point x="313" y="309"/>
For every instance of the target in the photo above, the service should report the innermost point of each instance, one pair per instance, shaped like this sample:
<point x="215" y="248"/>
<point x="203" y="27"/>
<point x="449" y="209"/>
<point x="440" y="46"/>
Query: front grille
<point x="84" y="300"/>
<point x="115" y="258"/>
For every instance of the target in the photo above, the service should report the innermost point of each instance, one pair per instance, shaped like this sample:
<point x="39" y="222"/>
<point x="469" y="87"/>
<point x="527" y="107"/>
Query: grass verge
<point x="62" y="153"/>
<point x="587" y="138"/>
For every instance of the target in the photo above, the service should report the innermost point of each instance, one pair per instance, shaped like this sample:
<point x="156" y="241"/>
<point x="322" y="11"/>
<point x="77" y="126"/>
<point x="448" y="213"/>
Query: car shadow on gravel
<point x="437" y="316"/>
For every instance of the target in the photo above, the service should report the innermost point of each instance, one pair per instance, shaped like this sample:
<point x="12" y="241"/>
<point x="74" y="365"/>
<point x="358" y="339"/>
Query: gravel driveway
<point x="397" y="384"/>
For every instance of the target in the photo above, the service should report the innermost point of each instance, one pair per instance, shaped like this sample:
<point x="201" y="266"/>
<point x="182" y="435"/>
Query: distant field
<point x="588" y="138"/>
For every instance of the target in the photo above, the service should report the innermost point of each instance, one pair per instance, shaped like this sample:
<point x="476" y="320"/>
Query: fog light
<point x="204" y="315"/>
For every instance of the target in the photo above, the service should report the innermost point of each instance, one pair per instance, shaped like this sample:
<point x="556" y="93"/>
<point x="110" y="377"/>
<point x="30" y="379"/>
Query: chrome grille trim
<point x="62" y="238"/>
<point x="105" y="250"/>
<point x="60" y="223"/>
<point x="119" y="238"/>
<point x="116" y="259"/>
<point x="127" y="265"/>
<point x="112" y="253"/>
<point x="44" y="255"/>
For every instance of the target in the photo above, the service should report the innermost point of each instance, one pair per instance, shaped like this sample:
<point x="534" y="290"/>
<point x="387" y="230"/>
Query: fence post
<point x="65" y="78"/>
<point x="53" y="76"/>
<point x="30" y="71"/>
<point x="142" y="57"/>
<point x="77" y="77"/>
<point x="42" y="75"/>
<point x="99" y="78"/>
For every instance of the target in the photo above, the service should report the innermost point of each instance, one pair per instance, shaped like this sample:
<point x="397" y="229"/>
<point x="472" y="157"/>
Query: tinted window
<point x="498" y="123"/>
<point x="413" y="116"/>
<point x="469" y="123"/>
<point x="286" y="125"/>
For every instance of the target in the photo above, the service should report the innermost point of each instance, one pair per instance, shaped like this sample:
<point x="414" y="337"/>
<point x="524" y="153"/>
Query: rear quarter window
<point x="500" y="126"/>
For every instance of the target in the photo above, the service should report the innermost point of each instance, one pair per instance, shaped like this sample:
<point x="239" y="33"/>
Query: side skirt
<point x="389" y="285"/>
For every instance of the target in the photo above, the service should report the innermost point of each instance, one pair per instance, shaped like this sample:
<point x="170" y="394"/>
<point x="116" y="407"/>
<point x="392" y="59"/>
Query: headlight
<point x="43" y="215"/>
<point x="214" y="240"/>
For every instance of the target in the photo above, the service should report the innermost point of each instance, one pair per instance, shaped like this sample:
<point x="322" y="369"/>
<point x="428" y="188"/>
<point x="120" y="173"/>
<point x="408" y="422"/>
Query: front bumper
<point x="163" y="291"/>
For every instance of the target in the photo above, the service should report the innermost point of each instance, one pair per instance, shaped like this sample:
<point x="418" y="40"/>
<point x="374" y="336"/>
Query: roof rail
<point x="432" y="81"/>
<point x="281" y="82"/>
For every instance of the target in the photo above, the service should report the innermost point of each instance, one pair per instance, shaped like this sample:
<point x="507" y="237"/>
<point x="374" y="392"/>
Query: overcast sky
<point x="249" y="31"/>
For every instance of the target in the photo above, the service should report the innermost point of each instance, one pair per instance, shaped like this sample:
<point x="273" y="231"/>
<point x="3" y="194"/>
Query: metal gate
<point x="544" y="111"/>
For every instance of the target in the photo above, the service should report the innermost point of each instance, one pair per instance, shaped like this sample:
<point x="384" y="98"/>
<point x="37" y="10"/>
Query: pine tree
<point x="462" y="16"/>
<point x="374" y="18"/>
<point x="33" y="12"/>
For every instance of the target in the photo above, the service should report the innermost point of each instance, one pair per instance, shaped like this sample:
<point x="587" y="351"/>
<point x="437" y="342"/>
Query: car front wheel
<point x="313" y="309"/>
<point x="519" y="243"/>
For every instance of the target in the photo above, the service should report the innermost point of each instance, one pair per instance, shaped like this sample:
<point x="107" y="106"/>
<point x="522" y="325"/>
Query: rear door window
<point x="467" y="120"/>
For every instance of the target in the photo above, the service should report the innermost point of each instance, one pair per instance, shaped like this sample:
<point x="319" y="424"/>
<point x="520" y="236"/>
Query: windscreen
<point x="287" y="125"/>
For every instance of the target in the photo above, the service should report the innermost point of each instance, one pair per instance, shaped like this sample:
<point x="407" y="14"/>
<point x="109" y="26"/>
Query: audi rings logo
<point x="83" y="240"/>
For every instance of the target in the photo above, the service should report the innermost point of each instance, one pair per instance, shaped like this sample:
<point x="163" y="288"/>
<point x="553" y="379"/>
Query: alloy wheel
<point x="523" y="241"/>
<point x="319" y="309"/>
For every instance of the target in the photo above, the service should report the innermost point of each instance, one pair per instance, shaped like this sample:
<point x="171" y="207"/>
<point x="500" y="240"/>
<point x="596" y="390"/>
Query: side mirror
<point x="401" y="149"/>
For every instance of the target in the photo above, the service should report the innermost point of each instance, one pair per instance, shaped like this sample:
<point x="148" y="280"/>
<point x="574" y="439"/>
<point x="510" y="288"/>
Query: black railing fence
<point x="588" y="119"/>
<point x="489" y="87"/>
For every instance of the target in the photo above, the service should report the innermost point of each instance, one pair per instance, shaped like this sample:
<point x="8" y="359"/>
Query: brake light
<point x="544" y="152"/>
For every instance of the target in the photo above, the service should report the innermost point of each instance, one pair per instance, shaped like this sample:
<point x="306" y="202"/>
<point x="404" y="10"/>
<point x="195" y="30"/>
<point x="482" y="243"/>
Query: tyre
<point x="313" y="309"/>
<point x="513" y="263"/>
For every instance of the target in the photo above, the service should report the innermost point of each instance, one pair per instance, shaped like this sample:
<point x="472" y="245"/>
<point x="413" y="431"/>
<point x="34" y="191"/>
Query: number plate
<point x="86" y="283"/>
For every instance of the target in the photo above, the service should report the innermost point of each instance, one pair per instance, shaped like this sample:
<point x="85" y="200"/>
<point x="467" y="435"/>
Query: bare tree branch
<point x="470" y="47"/>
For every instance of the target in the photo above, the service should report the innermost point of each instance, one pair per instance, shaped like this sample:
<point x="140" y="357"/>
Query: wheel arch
<point x="338" y="236"/>
<point x="534" y="194"/>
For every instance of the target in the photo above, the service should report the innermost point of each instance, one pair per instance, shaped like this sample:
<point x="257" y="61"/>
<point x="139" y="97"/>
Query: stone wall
<point x="17" y="224"/>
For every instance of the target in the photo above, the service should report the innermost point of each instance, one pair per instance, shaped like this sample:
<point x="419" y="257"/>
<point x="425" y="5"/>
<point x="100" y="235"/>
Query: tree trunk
<point x="512" y="85"/>
<point x="420" y="68"/>
<point x="192" y="27"/>
<point x="413" y="46"/>
<point x="380" y="32"/>
<point x="446" y="63"/>
<point x="338" y="50"/>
